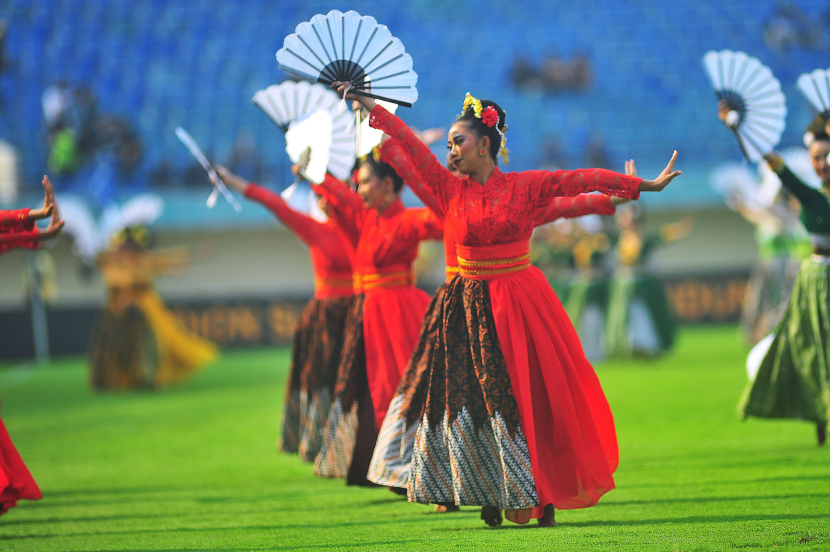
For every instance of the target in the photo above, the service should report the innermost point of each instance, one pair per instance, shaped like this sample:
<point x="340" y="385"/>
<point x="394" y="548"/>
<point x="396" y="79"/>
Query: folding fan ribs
<point x="348" y="47"/>
<point x="291" y="102"/>
<point x="750" y="89"/>
<point x="815" y="87"/>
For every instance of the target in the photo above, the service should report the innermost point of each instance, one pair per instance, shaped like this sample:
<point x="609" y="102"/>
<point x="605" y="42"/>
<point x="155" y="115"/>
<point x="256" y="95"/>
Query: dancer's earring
<point x="482" y="152"/>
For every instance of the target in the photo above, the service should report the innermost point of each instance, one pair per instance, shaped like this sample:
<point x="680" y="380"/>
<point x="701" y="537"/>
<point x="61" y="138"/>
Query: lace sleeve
<point x="304" y="227"/>
<point x="346" y="207"/>
<point x="572" y="207"/>
<point x="546" y="185"/>
<point x="16" y="221"/>
<point x="19" y="240"/>
<point x="440" y="182"/>
<point x="391" y="153"/>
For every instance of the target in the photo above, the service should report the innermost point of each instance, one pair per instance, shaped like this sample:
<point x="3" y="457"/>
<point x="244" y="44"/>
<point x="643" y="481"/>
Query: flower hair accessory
<point x="490" y="117"/>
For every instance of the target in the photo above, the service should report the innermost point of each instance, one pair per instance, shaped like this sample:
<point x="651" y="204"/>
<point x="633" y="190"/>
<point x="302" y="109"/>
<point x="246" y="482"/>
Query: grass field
<point x="195" y="468"/>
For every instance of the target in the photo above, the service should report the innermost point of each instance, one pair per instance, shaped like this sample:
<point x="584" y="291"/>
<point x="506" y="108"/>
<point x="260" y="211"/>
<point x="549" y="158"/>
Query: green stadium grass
<point x="195" y="468"/>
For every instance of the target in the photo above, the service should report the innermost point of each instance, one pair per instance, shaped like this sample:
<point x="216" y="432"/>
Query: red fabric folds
<point x="392" y="319"/>
<point x="16" y="482"/>
<point x="565" y="416"/>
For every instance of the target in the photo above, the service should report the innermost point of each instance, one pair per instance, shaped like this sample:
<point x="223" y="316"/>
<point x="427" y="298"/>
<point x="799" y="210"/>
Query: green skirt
<point x="640" y="322"/>
<point x="586" y="302"/>
<point x="793" y="380"/>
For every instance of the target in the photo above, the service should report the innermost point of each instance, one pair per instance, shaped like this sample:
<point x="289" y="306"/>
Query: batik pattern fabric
<point x="319" y="332"/>
<point x="315" y="354"/>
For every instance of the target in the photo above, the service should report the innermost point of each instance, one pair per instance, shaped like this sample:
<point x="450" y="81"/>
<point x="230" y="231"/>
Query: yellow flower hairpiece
<point x="375" y="155"/>
<point x="469" y="100"/>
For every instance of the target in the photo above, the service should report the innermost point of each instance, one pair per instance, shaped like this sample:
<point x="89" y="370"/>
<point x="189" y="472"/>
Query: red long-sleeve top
<point x="17" y="231"/>
<point x="559" y="207"/>
<point x="328" y="247"/>
<point x="496" y="212"/>
<point x="387" y="243"/>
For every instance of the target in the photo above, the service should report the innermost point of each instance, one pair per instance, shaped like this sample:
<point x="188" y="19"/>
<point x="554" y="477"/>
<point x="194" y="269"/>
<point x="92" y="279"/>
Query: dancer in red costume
<point x="393" y="452"/>
<point x="383" y="328"/>
<point x="514" y="417"/>
<point x="18" y="230"/>
<point x="318" y="334"/>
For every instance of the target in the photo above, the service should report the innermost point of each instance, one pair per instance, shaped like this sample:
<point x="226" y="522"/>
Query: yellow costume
<point x="138" y="342"/>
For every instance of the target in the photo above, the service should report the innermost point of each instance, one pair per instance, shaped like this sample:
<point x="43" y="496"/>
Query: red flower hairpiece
<point x="490" y="116"/>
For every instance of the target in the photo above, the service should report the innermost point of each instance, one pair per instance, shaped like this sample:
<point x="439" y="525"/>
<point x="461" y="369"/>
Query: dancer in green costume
<point x="793" y="363"/>
<point x="640" y="322"/>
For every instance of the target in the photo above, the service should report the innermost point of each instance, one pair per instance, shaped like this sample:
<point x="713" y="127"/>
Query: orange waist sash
<point x="334" y="284"/>
<point x="388" y="277"/>
<point x="485" y="263"/>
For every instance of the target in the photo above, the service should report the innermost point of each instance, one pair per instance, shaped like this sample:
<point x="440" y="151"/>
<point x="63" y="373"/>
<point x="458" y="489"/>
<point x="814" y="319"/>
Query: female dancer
<point x="393" y="453"/>
<point x="383" y="328"/>
<point x="514" y="417"/>
<point x="137" y="342"/>
<point x="318" y="334"/>
<point x="793" y="378"/>
<point x="18" y="230"/>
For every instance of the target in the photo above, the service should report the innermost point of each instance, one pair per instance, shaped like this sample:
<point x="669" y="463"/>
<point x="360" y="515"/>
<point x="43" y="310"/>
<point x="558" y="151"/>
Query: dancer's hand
<point x="728" y="117"/>
<point x="231" y="180"/>
<point x="663" y="179"/>
<point x="55" y="223"/>
<point x="341" y="89"/>
<point x="630" y="168"/>
<point x="431" y="135"/>
<point x="48" y="202"/>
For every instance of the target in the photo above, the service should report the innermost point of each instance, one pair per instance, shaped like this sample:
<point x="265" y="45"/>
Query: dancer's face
<point x="322" y="204"/>
<point x="465" y="148"/>
<point x="451" y="166"/>
<point x="376" y="193"/>
<point x="818" y="157"/>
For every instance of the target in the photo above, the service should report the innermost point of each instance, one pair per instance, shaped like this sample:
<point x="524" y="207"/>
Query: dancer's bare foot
<point x="491" y="515"/>
<point x="548" y="520"/>
<point x="444" y="507"/>
<point x="821" y="433"/>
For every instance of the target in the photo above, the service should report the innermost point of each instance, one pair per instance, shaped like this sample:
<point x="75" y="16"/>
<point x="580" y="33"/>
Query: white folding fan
<point x="348" y="47"/>
<point x="294" y="101"/>
<point x="815" y="87"/>
<point x="314" y="133"/>
<point x="736" y="181"/>
<point x="749" y="89"/>
<point x="370" y="137"/>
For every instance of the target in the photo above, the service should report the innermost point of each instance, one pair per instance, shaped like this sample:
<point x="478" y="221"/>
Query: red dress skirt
<point x="16" y="482"/>
<point x="514" y="416"/>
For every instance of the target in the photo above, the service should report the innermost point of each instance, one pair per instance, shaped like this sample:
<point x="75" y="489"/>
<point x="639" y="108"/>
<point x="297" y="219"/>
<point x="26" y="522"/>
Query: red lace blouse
<point x="496" y="212"/>
<point x="17" y="231"/>
<point x="328" y="247"/>
<point x="559" y="207"/>
<point x="387" y="241"/>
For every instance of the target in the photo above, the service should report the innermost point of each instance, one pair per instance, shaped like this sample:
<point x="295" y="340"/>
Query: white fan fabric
<point x="291" y="101"/>
<point x="300" y="197"/>
<point x="740" y="186"/>
<point x="815" y="87"/>
<point x="143" y="209"/>
<point x="313" y="132"/>
<point x="371" y="137"/>
<point x="349" y="47"/>
<point x="81" y="226"/>
<point x="750" y="89"/>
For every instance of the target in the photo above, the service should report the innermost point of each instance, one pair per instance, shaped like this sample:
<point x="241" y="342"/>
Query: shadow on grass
<point x="661" y="521"/>
<point x="711" y="499"/>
